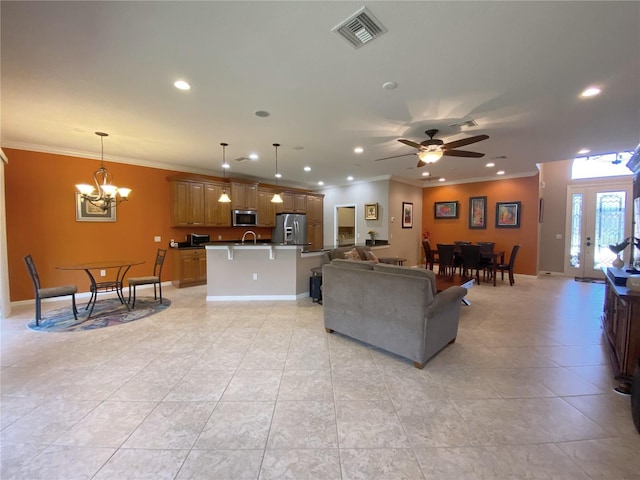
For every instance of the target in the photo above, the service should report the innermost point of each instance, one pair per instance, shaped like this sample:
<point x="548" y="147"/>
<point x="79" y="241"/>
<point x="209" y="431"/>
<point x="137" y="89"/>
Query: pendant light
<point x="276" y="196"/>
<point x="224" y="198"/>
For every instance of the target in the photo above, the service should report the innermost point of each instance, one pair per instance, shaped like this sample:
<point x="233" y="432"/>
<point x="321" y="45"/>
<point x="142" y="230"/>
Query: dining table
<point x="120" y="266"/>
<point x="493" y="258"/>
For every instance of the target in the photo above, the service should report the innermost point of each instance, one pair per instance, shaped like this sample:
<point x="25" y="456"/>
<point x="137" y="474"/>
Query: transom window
<point x="606" y="165"/>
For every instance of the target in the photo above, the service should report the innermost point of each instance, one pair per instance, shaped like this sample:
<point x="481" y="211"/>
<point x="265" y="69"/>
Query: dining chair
<point x="446" y="259"/>
<point x="429" y="256"/>
<point x="508" y="267"/>
<point x="486" y="262"/>
<point x="48" y="292"/>
<point x="154" y="279"/>
<point x="470" y="257"/>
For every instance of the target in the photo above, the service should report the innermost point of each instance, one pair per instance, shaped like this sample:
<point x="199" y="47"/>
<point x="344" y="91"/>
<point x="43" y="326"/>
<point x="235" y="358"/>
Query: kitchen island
<point x="262" y="271"/>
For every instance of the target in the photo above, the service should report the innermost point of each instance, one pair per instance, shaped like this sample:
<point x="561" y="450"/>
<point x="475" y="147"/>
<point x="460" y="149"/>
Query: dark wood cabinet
<point x="189" y="267"/>
<point x="621" y="324"/>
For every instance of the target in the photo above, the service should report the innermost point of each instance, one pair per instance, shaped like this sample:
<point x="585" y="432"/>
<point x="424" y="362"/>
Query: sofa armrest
<point x="444" y="299"/>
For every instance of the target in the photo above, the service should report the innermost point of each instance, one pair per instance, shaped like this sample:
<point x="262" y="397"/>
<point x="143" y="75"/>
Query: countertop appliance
<point x="196" y="240"/>
<point x="291" y="229"/>
<point x="244" y="218"/>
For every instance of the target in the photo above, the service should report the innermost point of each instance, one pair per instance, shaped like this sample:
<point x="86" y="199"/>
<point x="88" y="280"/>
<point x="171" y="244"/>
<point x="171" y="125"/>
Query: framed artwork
<point x="407" y="215"/>
<point x="478" y="212"/>
<point x="445" y="209"/>
<point x="370" y="211"/>
<point x="508" y="214"/>
<point x="87" y="212"/>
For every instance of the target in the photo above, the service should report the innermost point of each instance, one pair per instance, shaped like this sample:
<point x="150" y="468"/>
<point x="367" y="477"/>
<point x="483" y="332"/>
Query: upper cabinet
<point x="315" y="221"/>
<point x="266" y="208"/>
<point x="194" y="203"/>
<point x="292" y="202"/>
<point x="187" y="204"/>
<point x="244" y="196"/>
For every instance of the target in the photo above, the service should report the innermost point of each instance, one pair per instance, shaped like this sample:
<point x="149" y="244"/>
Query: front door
<point x="597" y="216"/>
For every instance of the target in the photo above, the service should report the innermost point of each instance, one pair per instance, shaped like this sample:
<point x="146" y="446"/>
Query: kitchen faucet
<point x="252" y="233"/>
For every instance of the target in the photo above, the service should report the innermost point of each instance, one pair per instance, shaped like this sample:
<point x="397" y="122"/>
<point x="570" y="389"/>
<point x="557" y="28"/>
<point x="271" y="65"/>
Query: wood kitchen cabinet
<point x="315" y="221"/>
<point x="189" y="267"/>
<point x="187" y="203"/>
<point x="216" y="214"/>
<point x="244" y="196"/>
<point x="266" y="208"/>
<point x="292" y="202"/>
<point x="621" y="324"/>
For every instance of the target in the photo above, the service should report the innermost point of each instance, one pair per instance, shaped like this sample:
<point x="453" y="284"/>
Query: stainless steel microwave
<point x="244" y="218"/>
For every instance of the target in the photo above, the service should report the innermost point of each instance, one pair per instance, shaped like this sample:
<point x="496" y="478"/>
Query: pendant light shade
<point x="224" y="198"/>
<point x="276" y="196"/>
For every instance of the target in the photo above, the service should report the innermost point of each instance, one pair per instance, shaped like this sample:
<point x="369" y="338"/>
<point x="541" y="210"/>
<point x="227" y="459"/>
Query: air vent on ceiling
<point x="360" y="28"/>
<point x="242" y="159"/>
<point x="469" y="123"/>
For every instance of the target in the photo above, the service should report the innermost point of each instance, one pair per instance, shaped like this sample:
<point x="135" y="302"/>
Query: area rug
<point x="108" y="312"/>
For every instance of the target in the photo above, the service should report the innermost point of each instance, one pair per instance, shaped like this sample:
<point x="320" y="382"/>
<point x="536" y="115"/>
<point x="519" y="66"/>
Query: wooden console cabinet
<point x="189" y="267"/>
<point x="621" y="323"/>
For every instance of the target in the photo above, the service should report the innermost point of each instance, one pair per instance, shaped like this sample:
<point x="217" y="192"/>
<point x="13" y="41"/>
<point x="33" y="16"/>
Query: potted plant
<point x="372" y="234"/>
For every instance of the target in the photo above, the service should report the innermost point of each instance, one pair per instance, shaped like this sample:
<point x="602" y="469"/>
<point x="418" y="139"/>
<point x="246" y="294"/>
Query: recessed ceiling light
<point x="389" y="85"/>
<point x="320" y="182"/>
<point x="500" y="172"/>
<point x="441" y="179"/>
<point x="358" y="150"/>
<point x="350" y="178"/>
<point x="262" y="113"/>
<point x="490" y="164"/>
<point x="226" y="165"/>
<point x="425" y="174"/>
<point x="591" y="92"/>
<point x="583" y="151"/>
<point x="307" y="169"/>
<point x="253" y="156"/>
<point x="278" y="175"/>
<point x="182" y="85"/>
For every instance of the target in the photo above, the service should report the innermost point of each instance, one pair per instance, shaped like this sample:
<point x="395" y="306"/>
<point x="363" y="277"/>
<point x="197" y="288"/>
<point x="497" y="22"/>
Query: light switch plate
<point x="157" y="239"/>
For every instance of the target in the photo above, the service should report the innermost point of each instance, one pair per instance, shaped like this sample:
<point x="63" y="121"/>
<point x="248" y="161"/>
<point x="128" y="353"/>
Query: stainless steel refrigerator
<point x="291" y="229"/>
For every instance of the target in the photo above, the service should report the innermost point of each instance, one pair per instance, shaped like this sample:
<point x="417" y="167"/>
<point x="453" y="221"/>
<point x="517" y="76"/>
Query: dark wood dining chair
<point x="508" y="267"/>
<point x="470" y="258"/>
<point x="446" y="258"/>
<point x="430" y="256"/>
<point x="48" y="292"/>
<point x="486" y="258"/>
<point x="154" y="279"/>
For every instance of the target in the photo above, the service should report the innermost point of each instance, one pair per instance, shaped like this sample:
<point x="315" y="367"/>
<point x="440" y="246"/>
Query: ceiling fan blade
<point x="464" y="141"/>
<point x="410" y="143"/>
<point x="462" y="153"/>
<point x="394" y="156"/>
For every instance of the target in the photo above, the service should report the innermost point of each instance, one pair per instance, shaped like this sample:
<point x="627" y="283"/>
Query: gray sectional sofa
<point x="391" y="307"/>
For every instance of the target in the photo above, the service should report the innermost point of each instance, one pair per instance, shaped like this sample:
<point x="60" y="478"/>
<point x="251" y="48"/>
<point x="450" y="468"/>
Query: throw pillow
<point x="352" y="254"/>
<point x="372" y="257"/>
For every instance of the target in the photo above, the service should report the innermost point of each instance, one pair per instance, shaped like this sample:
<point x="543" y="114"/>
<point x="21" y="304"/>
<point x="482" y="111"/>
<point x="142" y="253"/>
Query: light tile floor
<point x="247" y="391"/>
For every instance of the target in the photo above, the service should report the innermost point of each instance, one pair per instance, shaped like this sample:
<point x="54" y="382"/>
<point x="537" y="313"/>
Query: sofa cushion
<point x="372" y="256"/>
<point x="352" y="255"/>
<point x="412" y="272"/>
<point x="362" y="265"/>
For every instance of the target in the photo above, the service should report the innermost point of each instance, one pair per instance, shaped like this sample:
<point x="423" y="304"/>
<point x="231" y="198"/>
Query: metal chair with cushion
<point x="150" y="280"/>
<point x="508" y="267"/>
<point x="48" y="292"/>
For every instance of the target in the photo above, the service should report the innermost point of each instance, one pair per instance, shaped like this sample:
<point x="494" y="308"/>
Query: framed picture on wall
<point x="370" y="211"/>
<point x="508" y="214"/>
<point x="478" y="212"/>
<point x="88" y="212"/>
<point x="407" y="215"/>
<point x="445" y="209"/>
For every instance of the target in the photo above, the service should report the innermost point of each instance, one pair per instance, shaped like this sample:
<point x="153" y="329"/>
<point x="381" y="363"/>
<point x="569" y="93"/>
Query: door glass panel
<point x="576" y="230"/>
<point x="610" y="217"/>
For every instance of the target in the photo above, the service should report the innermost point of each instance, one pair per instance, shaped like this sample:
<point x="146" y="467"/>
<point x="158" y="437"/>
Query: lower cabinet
<point x="189" y="267"/>
<point x="621" y="322"/>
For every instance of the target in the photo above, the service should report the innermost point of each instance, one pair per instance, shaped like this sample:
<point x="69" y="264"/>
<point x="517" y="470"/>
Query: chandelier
<point x="224" y="198"/>
<point x="106" y="194"/>
<point x="276" y="196"/>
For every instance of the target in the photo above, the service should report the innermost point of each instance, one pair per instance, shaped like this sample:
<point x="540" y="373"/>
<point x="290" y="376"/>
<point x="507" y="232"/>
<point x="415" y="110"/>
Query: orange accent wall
<point x="41" y="220"/>
<point x="524" y="190"/>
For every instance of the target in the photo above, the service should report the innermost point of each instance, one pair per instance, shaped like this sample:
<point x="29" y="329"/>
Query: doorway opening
<point x="345" y="225"/>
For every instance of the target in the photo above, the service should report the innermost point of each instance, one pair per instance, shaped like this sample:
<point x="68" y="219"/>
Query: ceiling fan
<point x="430" y="151"/>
